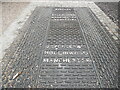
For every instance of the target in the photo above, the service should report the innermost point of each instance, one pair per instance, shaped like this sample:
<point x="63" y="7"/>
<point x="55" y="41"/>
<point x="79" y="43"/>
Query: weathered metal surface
<point x="61" y="47"/>
<point x="103" y="49"/>
<point x="25" y="53"/>
<point x="66" y="60"/>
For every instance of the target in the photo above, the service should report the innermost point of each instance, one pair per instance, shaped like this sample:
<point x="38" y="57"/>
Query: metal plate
<point x="103" y="49"/>
<point x="24" y="54"/>
<point x="66" y="60"/>
<point x="62" y="47"/>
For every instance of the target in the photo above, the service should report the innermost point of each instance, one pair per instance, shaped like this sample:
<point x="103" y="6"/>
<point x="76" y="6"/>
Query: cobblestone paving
<point x="61" y="48"/>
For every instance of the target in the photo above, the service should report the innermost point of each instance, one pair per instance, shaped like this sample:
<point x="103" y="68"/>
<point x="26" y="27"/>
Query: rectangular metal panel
<point x="61" y="47"/>
<point x="66" y="60"/>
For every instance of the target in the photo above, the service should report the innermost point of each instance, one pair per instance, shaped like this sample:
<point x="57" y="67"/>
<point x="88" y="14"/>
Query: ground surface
<point x="60" y="48"/>
<point x="10" y="11"/>
<point x="110" y="9"/>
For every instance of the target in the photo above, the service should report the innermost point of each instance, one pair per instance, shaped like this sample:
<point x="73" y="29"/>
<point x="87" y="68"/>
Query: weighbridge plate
<point x="62" y="47"/>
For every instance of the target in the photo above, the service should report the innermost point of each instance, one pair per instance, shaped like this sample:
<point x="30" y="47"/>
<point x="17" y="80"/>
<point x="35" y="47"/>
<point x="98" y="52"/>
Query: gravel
<point x="110" y="9"/>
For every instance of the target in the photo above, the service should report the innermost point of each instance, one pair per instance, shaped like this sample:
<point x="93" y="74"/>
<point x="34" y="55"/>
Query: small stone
<point x="29" y="86"/>
<point x="15" y="76"/>
<point x="114" y="37"/>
